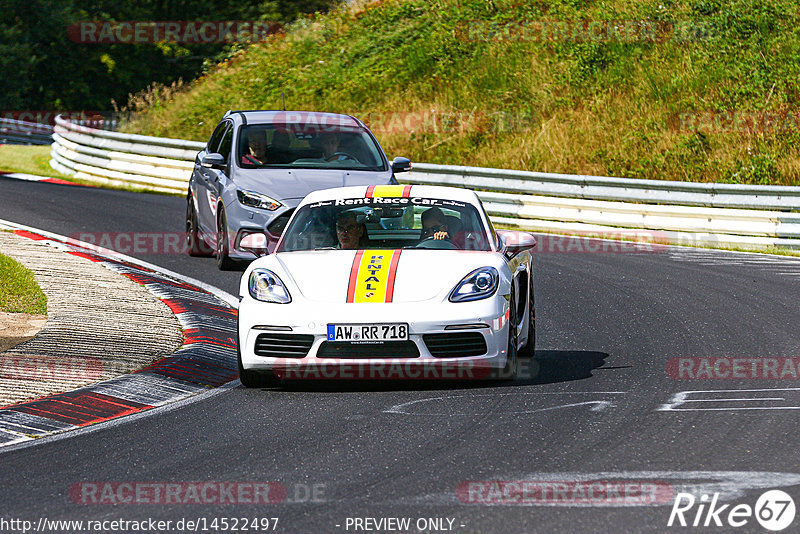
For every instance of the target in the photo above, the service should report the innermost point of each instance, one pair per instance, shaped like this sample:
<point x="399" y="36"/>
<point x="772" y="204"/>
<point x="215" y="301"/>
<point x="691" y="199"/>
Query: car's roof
<point x="423" y="191"/>
<point x="257" y="116"/>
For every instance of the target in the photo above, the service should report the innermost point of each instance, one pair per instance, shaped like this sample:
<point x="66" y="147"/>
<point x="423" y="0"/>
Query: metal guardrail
<point x="106" y="157"/>
<point x="700" y="214"/>
<point x="765" y="197"/>
<point x="14" y="132"/>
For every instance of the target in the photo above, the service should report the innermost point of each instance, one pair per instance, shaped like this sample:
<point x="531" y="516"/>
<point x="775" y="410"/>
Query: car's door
<point x="218" y="178"/>
<point x="207" y="192"/>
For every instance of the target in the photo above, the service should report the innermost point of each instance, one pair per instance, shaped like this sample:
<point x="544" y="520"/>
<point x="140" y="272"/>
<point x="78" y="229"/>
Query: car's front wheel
<point x="509" y="372"/>
<point x="529" y="349"/>
<point x="224" y="262"/>
<point x="253" y="379"/>
<point x="195" y="245"/>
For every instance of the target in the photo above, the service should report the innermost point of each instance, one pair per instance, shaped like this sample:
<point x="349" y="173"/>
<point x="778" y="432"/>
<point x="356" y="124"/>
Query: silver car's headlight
<point x="257" y="200"/>
<point x="478" y="284"/>
<point x="265" y="286"/>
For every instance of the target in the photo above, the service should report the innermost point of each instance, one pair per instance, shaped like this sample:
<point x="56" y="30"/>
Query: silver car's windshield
<point x="290" y="145"/>
<point x="386" y="223"/>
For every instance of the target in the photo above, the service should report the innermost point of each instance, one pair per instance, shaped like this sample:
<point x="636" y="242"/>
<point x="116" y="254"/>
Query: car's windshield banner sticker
<point x="378" y="201"/>
<point x="372" y="276"/>
<point x="390" y="191"/>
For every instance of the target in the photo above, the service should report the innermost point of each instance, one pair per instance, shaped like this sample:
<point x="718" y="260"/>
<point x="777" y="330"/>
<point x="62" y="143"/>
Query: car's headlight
<point x="478" y="284"/>
<point x="267" y="287"/>
<point x="257" y="200"/>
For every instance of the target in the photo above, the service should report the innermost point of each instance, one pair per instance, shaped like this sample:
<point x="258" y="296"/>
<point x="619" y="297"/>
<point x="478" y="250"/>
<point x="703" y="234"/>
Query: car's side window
<point x="213" y="143"/>
<point x="225" y="144"/>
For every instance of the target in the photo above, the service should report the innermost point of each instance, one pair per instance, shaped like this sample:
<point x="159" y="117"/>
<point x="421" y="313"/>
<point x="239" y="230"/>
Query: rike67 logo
<point x="774" y="510"/>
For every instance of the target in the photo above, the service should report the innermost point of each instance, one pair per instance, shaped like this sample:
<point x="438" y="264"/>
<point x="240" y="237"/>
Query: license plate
<point x="368" y="332"/>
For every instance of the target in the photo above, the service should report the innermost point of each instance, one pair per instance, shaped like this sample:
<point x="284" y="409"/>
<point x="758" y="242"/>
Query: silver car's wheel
<point x="224" y="262"/>
<point x="195" y="245"/>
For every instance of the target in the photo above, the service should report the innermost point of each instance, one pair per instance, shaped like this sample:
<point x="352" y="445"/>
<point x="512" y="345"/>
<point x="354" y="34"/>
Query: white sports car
<point x="388" y="281"/>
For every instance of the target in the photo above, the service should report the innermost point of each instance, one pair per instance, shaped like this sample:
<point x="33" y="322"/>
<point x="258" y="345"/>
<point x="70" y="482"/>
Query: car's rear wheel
<point x="224" y="262"/>
<point x="195" y="245"/>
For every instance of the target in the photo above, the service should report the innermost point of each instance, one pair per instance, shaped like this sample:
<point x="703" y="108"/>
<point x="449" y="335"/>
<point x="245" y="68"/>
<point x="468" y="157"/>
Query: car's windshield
<point x="295" y="145"/>
<point x="386" y="223"/>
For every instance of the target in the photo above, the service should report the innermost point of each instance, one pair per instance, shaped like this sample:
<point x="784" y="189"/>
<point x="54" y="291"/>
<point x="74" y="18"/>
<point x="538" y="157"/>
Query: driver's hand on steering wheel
<point x="437" y="232"/>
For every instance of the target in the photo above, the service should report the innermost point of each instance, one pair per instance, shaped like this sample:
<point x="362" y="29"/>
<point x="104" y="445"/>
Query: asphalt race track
<point x="603" y="407"/>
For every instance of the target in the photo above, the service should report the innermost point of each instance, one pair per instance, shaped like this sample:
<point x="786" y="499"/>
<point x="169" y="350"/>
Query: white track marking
<point x="686" y="397"/>
<point x="596" y="405"/>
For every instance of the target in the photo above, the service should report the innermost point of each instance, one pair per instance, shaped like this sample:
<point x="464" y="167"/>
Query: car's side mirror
<point x="213" y="161"/>
<point x="401" y="164"/>
<point x="514" y="242"/>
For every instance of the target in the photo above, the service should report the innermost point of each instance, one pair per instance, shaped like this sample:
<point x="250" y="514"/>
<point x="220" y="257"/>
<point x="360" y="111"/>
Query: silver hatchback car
<point x="259" y="165"/>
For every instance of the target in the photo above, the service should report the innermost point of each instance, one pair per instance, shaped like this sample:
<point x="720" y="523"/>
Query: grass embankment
<point x="618" y="104"/>
<point x="28" y="159"/>
<point x="19" y="292"/>
<point x="35" y="160"/>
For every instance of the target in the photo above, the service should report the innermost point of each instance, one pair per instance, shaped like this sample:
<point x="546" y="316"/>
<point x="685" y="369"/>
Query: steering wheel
<point x="442" y="244"/>
<point x="345" y="154"/>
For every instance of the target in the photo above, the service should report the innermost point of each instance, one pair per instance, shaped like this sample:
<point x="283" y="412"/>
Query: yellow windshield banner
<point x="372" y="276"/>
<point x="388" y="191"/>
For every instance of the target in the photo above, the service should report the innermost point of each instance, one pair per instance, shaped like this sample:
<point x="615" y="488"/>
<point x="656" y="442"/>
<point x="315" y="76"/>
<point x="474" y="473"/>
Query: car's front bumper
<point x="257" y="318"/>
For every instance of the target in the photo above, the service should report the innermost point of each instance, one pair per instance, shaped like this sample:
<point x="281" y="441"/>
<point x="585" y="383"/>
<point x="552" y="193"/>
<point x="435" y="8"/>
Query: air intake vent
<point x="455" y="345"/>
<point x="283" y="345"/>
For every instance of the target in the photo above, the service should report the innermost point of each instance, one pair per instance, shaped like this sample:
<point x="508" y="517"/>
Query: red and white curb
<point x="206" y="360"/>
<point x="36" y="178"/>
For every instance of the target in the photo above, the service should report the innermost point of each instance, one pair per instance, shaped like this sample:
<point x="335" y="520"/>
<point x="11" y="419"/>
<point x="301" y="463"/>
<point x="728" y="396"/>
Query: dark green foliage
<point x="43" y="69"/>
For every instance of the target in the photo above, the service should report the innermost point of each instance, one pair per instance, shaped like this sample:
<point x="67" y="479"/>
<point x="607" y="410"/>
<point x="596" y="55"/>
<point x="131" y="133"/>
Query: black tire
<point x="195" y="245"/>
<point x="529" y="349"/>
<point x="509" y="372"/>
<point x="224" y="262"/>
<point x="253" y="379"/>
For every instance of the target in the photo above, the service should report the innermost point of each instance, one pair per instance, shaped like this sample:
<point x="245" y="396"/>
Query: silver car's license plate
<point x="368" y="332"/>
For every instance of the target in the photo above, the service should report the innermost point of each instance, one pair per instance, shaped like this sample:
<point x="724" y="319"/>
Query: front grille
<point x="283" y="345"/>
<point x="454" y="345"/>
<point x="388" y="349"/>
